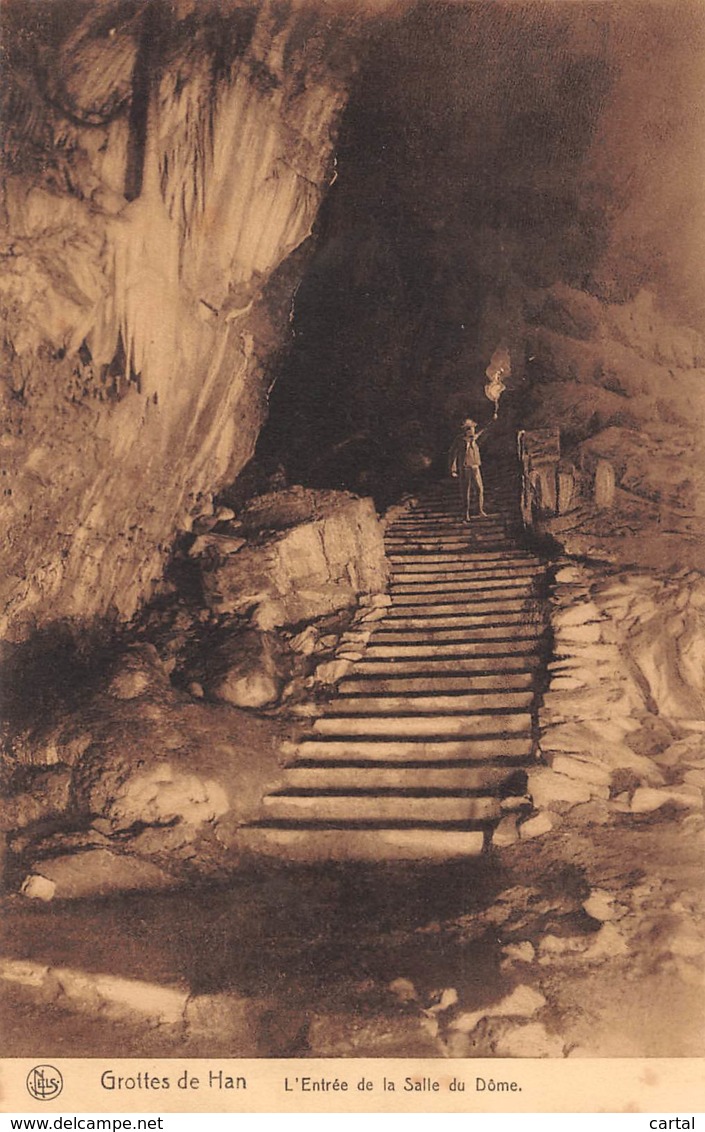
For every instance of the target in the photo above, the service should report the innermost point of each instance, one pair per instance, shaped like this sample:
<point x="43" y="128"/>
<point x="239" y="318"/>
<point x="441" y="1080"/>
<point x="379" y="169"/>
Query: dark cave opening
<point x="459" y="177"/>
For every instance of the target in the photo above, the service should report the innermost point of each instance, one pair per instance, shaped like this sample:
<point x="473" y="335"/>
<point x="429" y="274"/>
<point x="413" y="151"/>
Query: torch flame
<point x="500" y="367"/>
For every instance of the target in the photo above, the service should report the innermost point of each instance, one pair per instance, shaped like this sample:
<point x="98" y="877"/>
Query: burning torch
<point x="500" y="367"/>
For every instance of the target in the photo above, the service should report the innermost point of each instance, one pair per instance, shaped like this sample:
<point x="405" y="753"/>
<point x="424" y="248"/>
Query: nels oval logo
<point x="44" y="1082"/>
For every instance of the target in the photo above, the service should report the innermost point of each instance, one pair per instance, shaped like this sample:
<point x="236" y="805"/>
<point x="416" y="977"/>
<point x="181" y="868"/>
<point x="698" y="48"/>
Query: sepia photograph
<point x="352" y="628"/>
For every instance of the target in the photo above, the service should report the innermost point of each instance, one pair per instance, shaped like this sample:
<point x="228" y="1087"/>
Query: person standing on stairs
<point x="466" y="465"/>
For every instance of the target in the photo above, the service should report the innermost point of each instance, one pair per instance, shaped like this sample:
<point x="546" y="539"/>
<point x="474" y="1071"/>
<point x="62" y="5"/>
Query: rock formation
<point x="165" y="164"/>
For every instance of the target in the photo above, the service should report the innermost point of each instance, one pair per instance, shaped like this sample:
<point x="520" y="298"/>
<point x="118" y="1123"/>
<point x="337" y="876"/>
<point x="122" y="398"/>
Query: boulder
<point x="566" y="684"/>
<point x="373" y="613"/>
<point x="161" y="793"/>
<point x="611" y="700"/>
<point x="588" y="632"/>
<point x="595" y="812"/>
<point x="549" y="789"/>
<point x="216" y="545"/>
<point x="310" y="553"/>
<point x="37" y="887"/>
<point x="645" y="800"/>
<point x="673" y="694"/>
<point x="506" y="832"/>
<point x="523" y="952"/>
<point x="569" y="574"/>
<point x="530" y="1040"/>
<point x="97" y="872"/>
<point x="523" y="1002"/>
<point x="375" y="601"/>
<point x="581" y="770"/>
<point x="306" y="641"/>
<point x="329" y="640"/>
<point x="248" y="690"/>
<point x="684" y="751"/>
<point x="580" y="613"/>
<point x="552" y="946"/>
<point x="139" y="671"/>
<point x="331" y="671"/>
<point x="600" y="905"/>
<point x="245" y="671"/>
<point x="581" y="736"/>
<point x="536" y="827"/>
<point x="608" y="943"/>
<point x="599" y="743"/>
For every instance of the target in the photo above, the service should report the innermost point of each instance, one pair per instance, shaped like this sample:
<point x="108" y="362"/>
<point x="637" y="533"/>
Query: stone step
<point x="404" y="844"/>
<point x="409" y="758"/>
<point x="466" y="640"/>
<point x="459" y="580"/>
<point x="474" y="601"/>
<point x="352" y="808"/>
<point x="450" y="490"/>
<point x="498" y="500"/>
<point x="472" y="563"/>
<point x="423" y="726"/>
<point x="467" y="556"/>
<point x="479" y="560"/>
<point x="470" y="634"/>
<point x="434" y="684"/>
<point x="412" y="647"/>
<point x="450" y="529"/>
<point x="389" y="704"/>
<point x="448" y="542"/>
<point x="473" y="569"/>
<point x="472" y="559"/>
<point x="423" y="547"/>
<point x="456" y="521"/>
<point x="425" y="520"/>
<point x="393" y="751"/>
<point x="467" y="530"/>
<point x="472" y="576"/>
<point x="418" y="572"/>
<point x="340" y="778"/>
<point x="499" y="503"/>
<point x="521" y="608"/>
<point x="451" y="494"/>
<point x="496" y="508"/>
<point x="478" y="580"/>
<point x="430" y="668"/>
<point x="497" y="545"/>
<point x="443" y="516"/>
<point x="450" y="616"/>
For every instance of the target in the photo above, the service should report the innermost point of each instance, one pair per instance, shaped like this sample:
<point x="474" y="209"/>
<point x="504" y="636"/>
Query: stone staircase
<point x="420" y="750"/>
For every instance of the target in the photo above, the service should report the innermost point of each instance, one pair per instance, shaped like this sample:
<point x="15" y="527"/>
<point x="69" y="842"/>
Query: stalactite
<point x="219" y="206"/>
<point x="235" y="139"/>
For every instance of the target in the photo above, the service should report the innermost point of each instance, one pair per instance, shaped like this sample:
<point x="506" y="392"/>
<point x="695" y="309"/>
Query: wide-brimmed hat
<point x="469" y="422"/>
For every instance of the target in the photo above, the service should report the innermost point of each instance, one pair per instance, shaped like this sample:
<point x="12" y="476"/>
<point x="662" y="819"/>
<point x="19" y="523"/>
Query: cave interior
<point x="258" y="257"/>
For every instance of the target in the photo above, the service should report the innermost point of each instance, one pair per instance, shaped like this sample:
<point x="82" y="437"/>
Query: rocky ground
<point x="128" y="904"/>
<point x="141" y="774"/>
<point x="587" y="943"/>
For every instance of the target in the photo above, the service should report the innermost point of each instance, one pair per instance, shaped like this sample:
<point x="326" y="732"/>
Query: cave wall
<point x="164" y="162"/>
